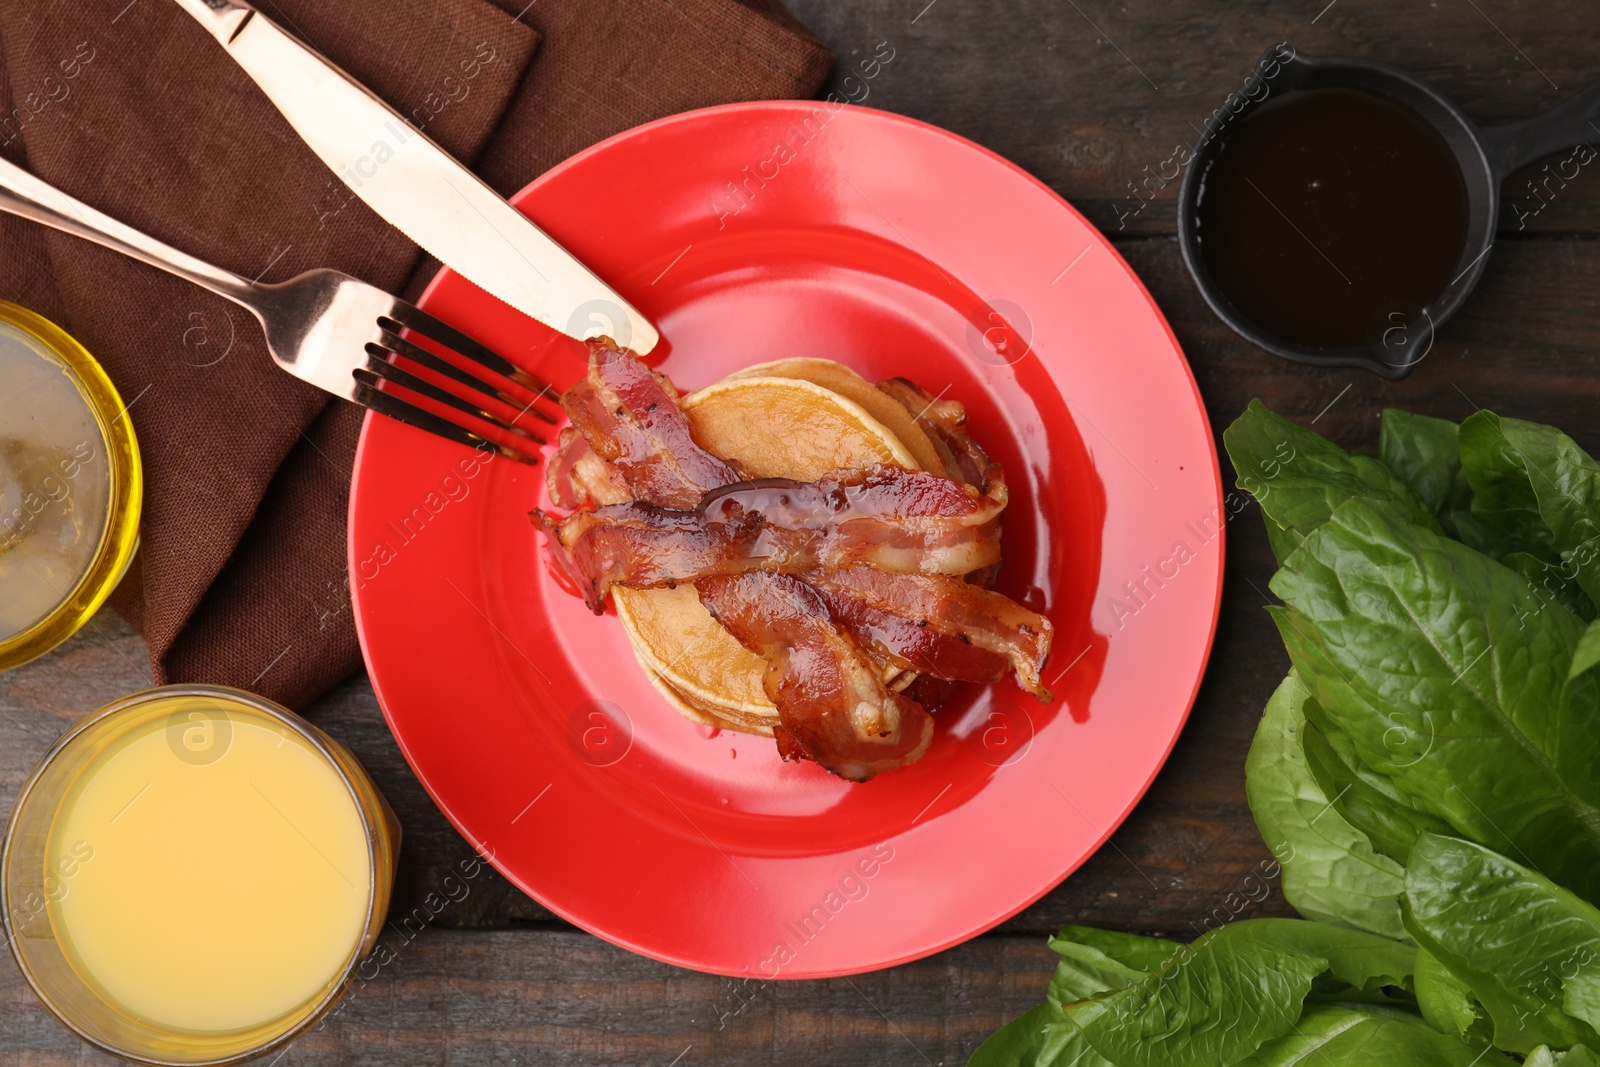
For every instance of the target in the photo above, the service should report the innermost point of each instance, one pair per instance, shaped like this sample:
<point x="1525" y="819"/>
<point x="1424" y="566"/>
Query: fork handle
<point x="32" y="198"/>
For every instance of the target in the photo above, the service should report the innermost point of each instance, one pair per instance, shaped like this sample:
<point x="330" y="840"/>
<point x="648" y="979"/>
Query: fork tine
<point x="417" y="319"/>
<point x="378" y="367"/>
<point x="378" y="362"/>
<point x="403" y="411"/>
<point x="401" y="346"/>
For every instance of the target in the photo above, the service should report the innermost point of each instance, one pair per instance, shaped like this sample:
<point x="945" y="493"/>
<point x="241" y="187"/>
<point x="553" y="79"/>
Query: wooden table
<point x="1092" y="97"/>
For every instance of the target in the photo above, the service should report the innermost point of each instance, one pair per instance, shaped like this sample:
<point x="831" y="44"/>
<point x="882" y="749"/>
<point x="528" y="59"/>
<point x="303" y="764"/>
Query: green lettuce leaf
<point x="1424" y="453"/>
<point x="1369" y="802"/>
<point x="1299" y="477"/>
<point x="1538" y="495"/>
<point x="1099" y="961"/>
<point x="1329" y="869"/>
<point x="1449" y="677"/>
<point x="1445" y="1000"/>
<point x="1565" y="481"/>
<point x="1039" y="1037"/>
<point x="1578" y="1056"/>
<point x="1359" y="960"/>
<point x="1135" y="950"/>
<point x="1550" y="581"/>
<point x="1332" y="1036"/>
<point x="1587" y="654"/>
<point x="1503" y="499"/>
<point x="1528" y="949"/>
<point x="1237" y="987"/>
<point x="1092" y="962"/>
<point x="1216" y="1001"/>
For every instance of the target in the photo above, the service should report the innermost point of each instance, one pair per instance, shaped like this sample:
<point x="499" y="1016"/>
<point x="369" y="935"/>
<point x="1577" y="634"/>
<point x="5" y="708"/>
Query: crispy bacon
<point x="945" y="423"/>
<point x="833" y="706"/>
<point x="888" y="517"/>
<point x="932" y="693"/>
<point x="666" y="510"/>
<point x="881" y="491"/>
<point x="631" y="418"/>
<point x="577" y="477"/>
<point x="993" y="623"/>
<point x="570" y="447"/>
<point x="912" y="644"/>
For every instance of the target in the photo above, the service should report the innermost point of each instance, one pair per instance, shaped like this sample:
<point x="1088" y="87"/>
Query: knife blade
<point x="418" y="187"/>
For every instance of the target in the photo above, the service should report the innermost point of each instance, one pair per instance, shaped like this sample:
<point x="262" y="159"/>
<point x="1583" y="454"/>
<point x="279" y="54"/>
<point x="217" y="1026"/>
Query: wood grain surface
<point x="1086" y="95"/>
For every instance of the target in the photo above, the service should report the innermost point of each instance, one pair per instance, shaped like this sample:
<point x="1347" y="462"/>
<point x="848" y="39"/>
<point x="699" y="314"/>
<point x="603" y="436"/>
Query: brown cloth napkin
<point x="134" y="109"/>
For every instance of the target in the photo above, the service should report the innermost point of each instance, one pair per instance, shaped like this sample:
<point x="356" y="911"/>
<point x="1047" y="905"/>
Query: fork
<point x="333" y="331"/>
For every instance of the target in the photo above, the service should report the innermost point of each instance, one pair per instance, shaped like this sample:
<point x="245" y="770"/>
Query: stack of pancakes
<point x="795" y="418"/>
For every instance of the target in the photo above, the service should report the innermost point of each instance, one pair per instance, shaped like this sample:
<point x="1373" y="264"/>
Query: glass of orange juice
<point x="192" y="875"/>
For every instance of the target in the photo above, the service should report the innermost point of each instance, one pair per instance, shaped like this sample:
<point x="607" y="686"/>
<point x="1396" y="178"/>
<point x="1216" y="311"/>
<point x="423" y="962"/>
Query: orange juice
<point x="221" y="891"/>
<point x="208" y="872"/>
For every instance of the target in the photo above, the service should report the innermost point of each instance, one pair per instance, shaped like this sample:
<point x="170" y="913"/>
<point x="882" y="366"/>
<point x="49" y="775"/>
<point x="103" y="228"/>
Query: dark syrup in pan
<point x="1325" y="208"/>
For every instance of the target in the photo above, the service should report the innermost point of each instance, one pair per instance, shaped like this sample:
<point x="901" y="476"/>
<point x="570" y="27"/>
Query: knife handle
<point x="224" y="18"/>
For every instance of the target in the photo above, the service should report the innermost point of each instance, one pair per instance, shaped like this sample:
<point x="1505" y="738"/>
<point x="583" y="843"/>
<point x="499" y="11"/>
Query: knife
<point x="417" y="186"/>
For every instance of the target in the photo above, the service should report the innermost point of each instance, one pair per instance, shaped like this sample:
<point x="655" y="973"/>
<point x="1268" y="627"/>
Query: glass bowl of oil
<point x="195" y="875"/>
<point x="71" y="487"/>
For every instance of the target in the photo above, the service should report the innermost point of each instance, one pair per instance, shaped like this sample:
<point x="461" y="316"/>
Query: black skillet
<point x="1486" y="157"/>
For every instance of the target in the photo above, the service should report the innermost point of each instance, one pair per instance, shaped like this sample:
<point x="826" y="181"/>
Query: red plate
<point x="758" y="232"/>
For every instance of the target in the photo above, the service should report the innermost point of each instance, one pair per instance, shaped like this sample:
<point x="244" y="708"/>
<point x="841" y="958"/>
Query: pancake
<point x="707" y="715"/>
<point x="789" y="428"/>
<point x="774" y="427"/>
<point x="838" y="378"/>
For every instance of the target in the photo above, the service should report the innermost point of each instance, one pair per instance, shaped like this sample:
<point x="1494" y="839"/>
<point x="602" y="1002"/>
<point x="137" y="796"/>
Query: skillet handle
<point x="1567" y="125"/>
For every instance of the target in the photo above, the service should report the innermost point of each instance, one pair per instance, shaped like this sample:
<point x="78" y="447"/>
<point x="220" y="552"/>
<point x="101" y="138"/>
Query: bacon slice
<point x="932" y="693"/>
<point x="570" y="447"/>
<point x="833" y="706"/>
<point x="881" y="491"/>
<point x="912" y="644"/>
<point x="889" y="517"/>
<point x="945" y="423"/>
<point x="995" y="624"/>
<point x="630" y="416"/>
<point x="577" y="477"/>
